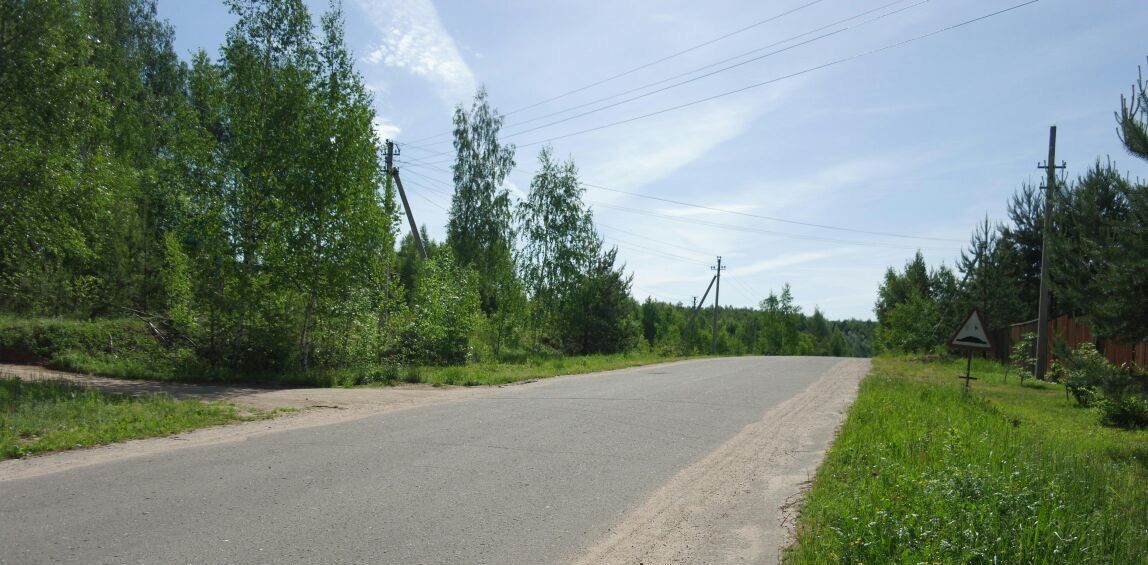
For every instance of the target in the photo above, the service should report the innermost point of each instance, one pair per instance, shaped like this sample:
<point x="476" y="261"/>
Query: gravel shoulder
<point x="739" y="503"/>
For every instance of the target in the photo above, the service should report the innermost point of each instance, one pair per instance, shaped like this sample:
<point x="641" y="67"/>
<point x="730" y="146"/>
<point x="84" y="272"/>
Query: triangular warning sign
<point x="971" y="333"/>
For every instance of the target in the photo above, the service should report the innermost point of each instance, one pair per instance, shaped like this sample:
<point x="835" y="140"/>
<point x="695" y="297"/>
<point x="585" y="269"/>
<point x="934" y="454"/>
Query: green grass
<point x="40" y="416"/>
<point x="126" y="348"/>
<point x="921" y="473"/>
<point x="504" y="373"/>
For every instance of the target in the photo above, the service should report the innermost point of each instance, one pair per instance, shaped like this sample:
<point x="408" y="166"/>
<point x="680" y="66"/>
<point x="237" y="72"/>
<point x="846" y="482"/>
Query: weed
<point x="41" y="416"/>
<point x="921" y="473"/>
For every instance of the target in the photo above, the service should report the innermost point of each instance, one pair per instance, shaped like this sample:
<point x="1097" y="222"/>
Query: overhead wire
<point x="781" y="78"/>
<point x="728" y="59"/>
<point x="770" y="218"/>
<point x="747" y="229"/>
<point x="703" y="76"/>
<point x="651" y="63"/>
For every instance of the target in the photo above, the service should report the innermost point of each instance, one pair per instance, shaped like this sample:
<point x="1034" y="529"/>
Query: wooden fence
<point x="1072" y="333"/>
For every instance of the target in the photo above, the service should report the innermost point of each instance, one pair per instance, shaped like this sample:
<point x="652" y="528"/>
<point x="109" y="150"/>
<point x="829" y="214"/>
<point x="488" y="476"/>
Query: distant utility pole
<point x="717" y="295"/>
<point x="393" y="173"/>
<point x="694" y="314"/>
<point x="1044" y="306"/>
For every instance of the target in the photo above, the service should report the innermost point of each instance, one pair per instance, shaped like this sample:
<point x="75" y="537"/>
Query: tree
<point x="916" y="309"/>
<point x="479" y="227"/>
<point x="1021" y="242"/>
<point x="1120" y="309"/>
<point x="988" y="276"/>
<point x="72" y="240"/>
<point x="600" y="316"/>
<point x="1086" y="217"/>
<point x="340" y="231"/>
<point x="559" y="239"/>
<point x="443" y="313"/>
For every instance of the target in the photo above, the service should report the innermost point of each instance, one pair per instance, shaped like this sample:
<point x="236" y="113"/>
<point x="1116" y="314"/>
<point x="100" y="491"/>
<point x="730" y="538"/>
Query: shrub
<point x="1023" y="355"/>
<point x="1121" y="393"/>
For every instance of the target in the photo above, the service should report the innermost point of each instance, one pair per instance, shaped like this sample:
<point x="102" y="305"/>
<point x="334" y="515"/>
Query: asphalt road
<point x="532" y="473"/>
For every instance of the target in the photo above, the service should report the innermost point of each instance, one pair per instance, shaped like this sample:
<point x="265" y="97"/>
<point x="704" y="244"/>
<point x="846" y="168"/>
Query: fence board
<point x="1071" y="332"/>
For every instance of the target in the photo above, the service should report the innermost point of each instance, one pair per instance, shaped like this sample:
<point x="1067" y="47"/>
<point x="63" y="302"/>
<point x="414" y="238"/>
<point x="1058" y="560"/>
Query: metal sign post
<point x="971" y="336"/>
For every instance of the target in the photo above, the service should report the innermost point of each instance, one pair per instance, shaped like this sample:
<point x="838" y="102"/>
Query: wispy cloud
<point x="385" y="130"/>
<point x="783" y="261"/>
<point x="650" y="150"/>
<point x="414" y="39"/>
<point x="720" y="209"/>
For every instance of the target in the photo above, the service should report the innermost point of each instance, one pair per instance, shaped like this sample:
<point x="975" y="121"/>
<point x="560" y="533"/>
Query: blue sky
<point x="921" y="140"/>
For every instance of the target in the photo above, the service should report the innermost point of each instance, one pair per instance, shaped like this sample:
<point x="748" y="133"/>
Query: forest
<point x="232" y="217"/>
<point x="1097" y="256"/>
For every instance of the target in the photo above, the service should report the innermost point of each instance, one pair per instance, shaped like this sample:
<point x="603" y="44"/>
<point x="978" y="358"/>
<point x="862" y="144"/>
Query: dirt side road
<point x="314" y="407"/>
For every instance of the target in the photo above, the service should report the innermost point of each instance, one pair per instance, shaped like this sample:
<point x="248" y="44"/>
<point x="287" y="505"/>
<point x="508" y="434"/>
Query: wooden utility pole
<point x="393" y="173"/>
<point x="717" y="295"/>
<point x="1043" y="305"/>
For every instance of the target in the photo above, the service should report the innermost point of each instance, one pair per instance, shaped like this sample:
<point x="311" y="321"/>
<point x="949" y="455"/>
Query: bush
<point x="1121" y="393"/>
<point x="1023" y="355"/>
<point x="48" y="340"/>
<point x="1128" y="412"/>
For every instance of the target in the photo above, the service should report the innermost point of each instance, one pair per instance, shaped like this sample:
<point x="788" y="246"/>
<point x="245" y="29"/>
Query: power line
<point x="771" y="218"/>
<point x="706" y="75"/>
<point x="705" y="67"/>
<point x="781" y="78"/>
<point x="650" y="250"/>
<point x="657" y="241"/>
<point x="728" y="59"/>
<point x="651" y="63"/>
<point x="745" y="229"/>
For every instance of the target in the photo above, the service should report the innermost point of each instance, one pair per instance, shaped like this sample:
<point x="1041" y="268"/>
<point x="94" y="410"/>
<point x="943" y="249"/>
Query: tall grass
<point x="923" y="473"/>
<point x="41" y="416"/>
<point x="529" y="369"/>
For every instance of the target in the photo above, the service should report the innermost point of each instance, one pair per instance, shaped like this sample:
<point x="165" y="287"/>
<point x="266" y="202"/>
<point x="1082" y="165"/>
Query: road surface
<point x="687" y="462"/>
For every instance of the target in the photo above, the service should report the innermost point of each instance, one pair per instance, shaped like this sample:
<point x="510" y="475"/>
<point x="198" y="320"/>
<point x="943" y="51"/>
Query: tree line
<point x="1097" y="249"/>
<point x="238" y="204"/>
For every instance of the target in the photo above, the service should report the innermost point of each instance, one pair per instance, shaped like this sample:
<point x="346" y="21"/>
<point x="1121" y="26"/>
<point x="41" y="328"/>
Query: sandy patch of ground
<point x="737" y="505"/>
<point x="311" y="407"/>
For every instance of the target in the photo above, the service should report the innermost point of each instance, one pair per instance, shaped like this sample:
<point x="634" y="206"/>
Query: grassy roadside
<point x="127" y="348"/>
<point x="505" y="373"/>
<point x="40" y="416"/>
<point x="921" y="473"/>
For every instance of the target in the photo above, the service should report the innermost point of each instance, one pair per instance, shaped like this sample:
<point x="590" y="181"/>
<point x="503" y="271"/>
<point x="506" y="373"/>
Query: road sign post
<point x="971" y="336"/>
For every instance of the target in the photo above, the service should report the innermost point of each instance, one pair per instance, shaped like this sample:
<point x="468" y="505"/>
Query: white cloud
<point x="385" y="130"/>
<point x="652" y="149"/>
<point x="414" y="39"/>
<point x="782" y="261"/>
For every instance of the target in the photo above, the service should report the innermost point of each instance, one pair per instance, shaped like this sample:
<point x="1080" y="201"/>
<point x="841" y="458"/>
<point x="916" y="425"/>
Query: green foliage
<point x="916" y="309"/>
<point x="444" y="313"/>
<point x="51" y="416"/>
<point x="1023" y="356"/>
<point x="600" y="316"/>
<point x="533" y="367"/>
<point x="479" y="227"/>
<point x="779" y="327"/>
<point x="1121" y="393"/>
<point x="989" y="272"/>
<point x="921" y="473"/>
<point x="559" y="239"/>
<point x="236" y="207"/>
